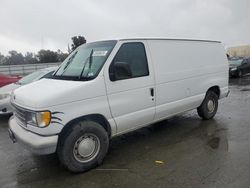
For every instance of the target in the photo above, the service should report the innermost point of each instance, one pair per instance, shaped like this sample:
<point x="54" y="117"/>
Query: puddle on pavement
<point x="214" y="142"/>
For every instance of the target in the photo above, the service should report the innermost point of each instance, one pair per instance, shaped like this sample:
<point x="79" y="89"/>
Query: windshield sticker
<point x="100" y="53"/>
<point x="90" y="74"/>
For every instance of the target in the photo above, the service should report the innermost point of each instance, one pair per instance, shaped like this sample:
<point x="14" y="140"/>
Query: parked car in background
<point x="5" y="80"/>
<point x="5" y="91"/>
<point x="239" y="67"/>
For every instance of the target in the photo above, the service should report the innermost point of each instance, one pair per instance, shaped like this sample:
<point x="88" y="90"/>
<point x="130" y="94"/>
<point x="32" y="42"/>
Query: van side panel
<point x="185" y="70"/>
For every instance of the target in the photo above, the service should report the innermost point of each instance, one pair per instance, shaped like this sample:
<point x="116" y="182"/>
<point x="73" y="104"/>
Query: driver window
<point x="135" y="56"/>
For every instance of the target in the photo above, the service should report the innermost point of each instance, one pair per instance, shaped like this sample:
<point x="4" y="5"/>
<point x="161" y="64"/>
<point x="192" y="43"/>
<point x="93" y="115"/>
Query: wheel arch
<point x="98" y="118"/>
<point x="215" y="89"/>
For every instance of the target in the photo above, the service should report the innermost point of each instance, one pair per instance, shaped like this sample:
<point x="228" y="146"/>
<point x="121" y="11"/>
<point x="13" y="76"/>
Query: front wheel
<point x="83" y="147"/>
<point x="209" y="106"/>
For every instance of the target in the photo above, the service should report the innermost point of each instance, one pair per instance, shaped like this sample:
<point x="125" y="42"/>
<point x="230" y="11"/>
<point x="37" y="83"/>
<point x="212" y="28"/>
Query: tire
<point x="83" y="146"/>
<point x="209" y="106"/>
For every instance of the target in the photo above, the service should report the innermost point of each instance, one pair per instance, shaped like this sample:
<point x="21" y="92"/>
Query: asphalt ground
<point x="183" y="151"/>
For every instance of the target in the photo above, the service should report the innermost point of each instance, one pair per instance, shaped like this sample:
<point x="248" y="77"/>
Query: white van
<point x="108" y="88"/>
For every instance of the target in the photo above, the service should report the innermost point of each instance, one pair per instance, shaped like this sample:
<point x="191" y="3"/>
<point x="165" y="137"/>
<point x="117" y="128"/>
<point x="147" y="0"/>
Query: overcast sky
<point x="29" y="25"/>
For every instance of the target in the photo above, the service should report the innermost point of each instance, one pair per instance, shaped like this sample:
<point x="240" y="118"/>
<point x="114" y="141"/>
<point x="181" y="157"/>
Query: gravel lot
<point x="191" y="153"/>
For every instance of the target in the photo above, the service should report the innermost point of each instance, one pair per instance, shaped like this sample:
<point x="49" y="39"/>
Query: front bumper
<point x="35" y="143"/>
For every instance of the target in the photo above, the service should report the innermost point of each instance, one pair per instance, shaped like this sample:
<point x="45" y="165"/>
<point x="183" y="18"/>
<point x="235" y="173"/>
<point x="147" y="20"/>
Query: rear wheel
<point x="209" y="106"/>
<point x="83" y="147"/>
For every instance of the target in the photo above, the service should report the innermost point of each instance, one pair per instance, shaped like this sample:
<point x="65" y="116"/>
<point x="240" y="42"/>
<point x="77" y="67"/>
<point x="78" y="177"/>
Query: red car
<point x="5" y="80"/>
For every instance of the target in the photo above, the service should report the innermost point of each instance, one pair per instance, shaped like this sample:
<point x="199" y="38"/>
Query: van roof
<point x="197" y="40"/>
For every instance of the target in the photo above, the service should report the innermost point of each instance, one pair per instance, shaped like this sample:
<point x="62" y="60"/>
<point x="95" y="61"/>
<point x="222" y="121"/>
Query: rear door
<point x="131" y="99"/>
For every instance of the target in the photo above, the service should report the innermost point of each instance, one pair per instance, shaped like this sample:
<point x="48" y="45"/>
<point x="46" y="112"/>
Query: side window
<point x="130" y="61"/>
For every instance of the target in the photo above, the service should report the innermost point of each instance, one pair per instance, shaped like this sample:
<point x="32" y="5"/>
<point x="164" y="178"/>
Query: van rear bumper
<point x="37" y="144"/>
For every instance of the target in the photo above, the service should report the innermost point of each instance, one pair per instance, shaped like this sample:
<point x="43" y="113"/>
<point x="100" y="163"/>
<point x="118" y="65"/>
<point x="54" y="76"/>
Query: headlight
<point x="234" y="69"/>
<point x="4" y="96"/>
<point x="43" y="118"/>
<point x="39" y="119"/>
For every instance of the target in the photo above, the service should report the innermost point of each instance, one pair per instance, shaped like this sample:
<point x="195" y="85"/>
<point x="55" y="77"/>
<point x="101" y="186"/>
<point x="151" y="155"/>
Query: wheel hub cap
<point x="86" y="148"/>
<point x="210" y="106"/>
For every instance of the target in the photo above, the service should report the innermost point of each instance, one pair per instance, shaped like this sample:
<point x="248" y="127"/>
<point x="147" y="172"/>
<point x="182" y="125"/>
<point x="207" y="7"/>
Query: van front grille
<point x="20" y="115"/>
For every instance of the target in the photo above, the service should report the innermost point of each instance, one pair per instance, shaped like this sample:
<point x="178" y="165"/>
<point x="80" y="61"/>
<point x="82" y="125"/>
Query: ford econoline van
<point x="108" y="88"/>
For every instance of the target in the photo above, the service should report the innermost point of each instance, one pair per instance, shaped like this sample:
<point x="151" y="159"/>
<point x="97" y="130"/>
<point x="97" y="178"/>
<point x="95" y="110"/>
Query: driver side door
<point x="131" y="94"/>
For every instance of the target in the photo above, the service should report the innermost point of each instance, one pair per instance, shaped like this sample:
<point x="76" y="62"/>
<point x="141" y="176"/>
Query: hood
<point x="51" y="92"/>
<point x="8" y="88"/>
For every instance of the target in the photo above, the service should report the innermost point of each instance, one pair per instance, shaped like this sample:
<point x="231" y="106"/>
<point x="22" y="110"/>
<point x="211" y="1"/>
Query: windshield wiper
<point x="90" y="63"/>
<point x="85" y="63"/>
<point x="67" y="64"/>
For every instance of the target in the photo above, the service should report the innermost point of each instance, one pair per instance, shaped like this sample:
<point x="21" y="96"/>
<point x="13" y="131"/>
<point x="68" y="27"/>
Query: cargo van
<point x="108" y="88"/>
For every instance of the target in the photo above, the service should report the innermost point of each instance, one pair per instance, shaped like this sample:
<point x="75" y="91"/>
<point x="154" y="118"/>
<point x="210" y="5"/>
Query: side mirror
<point x="119" y="71"/>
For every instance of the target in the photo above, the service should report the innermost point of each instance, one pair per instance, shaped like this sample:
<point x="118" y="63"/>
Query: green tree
<point x="47" y="56"/>
<point x="2" y="59"/>
<point x="30" y="58"/>
<point x="77" y="41"/>
<point x="14" y="58"/>
<point x="61" y="56"/>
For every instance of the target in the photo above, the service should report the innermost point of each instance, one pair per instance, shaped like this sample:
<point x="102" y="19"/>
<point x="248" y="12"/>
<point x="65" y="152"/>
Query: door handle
<point x="152" y="92"/>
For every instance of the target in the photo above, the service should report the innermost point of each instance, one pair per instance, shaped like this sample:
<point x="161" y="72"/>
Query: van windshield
<point x="85" y="62"/>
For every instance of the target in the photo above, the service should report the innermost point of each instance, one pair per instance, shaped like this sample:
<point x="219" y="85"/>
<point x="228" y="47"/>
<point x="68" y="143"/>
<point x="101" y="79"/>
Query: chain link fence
<point x="25" y="68"/>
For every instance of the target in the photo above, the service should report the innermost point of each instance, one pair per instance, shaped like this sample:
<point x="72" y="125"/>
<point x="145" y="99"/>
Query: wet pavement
<point x="190" y="153"/>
